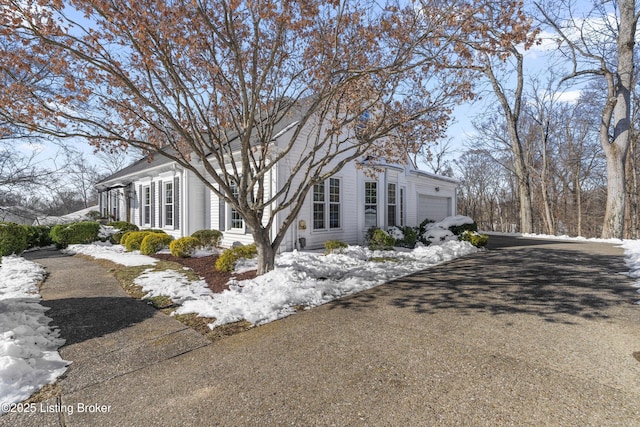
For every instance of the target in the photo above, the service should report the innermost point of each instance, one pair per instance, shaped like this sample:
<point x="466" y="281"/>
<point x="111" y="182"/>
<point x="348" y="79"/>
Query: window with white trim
<point x="323" y="204"/>
<point x="235" y="218"/>
<point x="391" y="205"/>
<point x="370" y="204"/>
<point x="334" y="203"/>
<point x="318" y="206"/>
<point x="168" y="204"/>
<point x="146" y="204"/>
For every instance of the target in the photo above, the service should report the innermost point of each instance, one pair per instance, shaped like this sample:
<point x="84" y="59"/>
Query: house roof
<point x="293" y="117"/>
<point x="144" y="164"/>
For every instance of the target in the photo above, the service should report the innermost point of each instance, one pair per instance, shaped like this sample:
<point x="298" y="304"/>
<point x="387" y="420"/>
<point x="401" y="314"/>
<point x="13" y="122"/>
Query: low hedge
<point x="184" y="247"/>
<point x="227" y="261"/>
<point x="208" y="238"/>
<point x="153" y="242"/>
<point x="13" y="239"/>
<point x="38" y="236"/>
<point x="64" y="235"/>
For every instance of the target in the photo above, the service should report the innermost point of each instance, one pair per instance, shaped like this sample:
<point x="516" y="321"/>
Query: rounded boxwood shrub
<point x="153" y="242"/>
<point x="13" y="238"/>
<point x="184" y="247"/>
<point x="134" y="239"/>
<point x="331" y="246"/>
<point x="208" y="238"/>
<point x="227" y="260"/>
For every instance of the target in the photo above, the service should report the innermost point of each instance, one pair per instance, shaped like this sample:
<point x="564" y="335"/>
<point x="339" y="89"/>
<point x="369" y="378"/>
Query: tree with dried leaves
<point x="601" y="44"/>
<point x="495" y="32"/>
<point x="209" y="83"/>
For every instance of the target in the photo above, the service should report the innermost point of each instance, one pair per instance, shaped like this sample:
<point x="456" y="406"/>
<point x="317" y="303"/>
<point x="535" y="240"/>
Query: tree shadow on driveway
<point x="81" y="319"/>
<point x="554" y="285"/>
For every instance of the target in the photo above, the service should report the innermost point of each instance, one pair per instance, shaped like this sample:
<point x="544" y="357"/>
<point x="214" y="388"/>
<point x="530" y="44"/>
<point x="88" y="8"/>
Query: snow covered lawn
<point x="28" y="345"/>
<point x="299" y="279"/>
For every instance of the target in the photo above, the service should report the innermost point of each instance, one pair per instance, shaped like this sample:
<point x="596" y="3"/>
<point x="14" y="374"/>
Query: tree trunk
<point x="266" y="252"/>
<point x="512" y="116"/>
<point x="614" y="216"/>
<point x="618" y="108"/>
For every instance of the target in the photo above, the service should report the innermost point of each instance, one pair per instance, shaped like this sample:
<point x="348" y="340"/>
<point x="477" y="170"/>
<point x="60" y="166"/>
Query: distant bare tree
<point x="600" y="44"/>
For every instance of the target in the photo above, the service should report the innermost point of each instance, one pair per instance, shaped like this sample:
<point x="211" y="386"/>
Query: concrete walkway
<point x="527" y="333"/>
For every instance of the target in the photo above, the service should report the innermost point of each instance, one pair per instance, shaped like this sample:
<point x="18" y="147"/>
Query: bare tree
<point x="500" y="31"/>
<point x="601" y="44"/>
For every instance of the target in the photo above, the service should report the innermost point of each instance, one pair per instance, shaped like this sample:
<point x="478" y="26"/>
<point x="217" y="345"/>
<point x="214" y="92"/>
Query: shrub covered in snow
<point x="153" y="242"/>
<point x="64" y="235"/>
<point x="409" y="237"/>
<point x="13" y="239"/>
<point x="227" y="260"/>
<point x="184" y="247"/>
<point x="334" y="246"/>
<point x="378" y="239"/>
<point x="208" y="239"/>
<point x="448" y="229"/>
<point x="396" y="233"/>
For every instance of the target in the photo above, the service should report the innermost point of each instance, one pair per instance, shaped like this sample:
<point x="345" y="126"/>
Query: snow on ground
<point x="28" y="344"/>
<point x="114" y="253"/>
<point x="311" y="279"/>
<point x="173" y="284"/>
<point x="632" y="259"/>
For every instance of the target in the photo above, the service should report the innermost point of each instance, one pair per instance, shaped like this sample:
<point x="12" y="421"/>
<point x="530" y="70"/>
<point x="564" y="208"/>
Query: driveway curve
<point x="528" y="332"/>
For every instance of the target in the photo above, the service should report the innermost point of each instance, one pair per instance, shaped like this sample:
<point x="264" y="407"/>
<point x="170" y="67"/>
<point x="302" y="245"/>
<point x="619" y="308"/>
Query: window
<point x="334" y="203"/>
<point x="323" y="204"/>
<point x="370" y="204"/>
<point x="146" y="200"/>
<point x="168" y="204"/>
<point x="236" y="219"/>
<point x="391" y="205"/>
<point x="318" y="206"/>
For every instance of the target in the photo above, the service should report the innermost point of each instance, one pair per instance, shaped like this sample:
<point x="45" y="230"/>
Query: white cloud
<point x="33" y="147"/>
<point x="570" y="96"/>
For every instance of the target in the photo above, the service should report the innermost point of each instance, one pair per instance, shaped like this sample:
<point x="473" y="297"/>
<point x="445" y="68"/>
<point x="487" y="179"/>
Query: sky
<point x="461" y="131"/>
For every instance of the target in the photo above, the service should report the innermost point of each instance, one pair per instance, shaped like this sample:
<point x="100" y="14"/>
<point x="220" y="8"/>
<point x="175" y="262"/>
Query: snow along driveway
<point x="306" y="279"/>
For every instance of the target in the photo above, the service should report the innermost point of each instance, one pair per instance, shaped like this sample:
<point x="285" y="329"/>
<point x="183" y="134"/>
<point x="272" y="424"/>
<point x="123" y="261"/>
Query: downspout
<point x="384" y="197"/>
<point x="185" y="203"/>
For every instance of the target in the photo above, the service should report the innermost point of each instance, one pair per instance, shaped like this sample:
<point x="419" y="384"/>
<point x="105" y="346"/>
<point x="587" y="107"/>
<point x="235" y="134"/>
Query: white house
<point x="158" y="193"/>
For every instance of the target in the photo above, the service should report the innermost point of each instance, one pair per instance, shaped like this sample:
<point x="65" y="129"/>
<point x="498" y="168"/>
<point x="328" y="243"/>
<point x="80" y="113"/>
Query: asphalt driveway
<point x="529" y="332"/>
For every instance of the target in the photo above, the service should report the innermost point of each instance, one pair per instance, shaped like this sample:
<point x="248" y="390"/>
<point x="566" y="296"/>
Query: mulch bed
<point x="205" y="267"/>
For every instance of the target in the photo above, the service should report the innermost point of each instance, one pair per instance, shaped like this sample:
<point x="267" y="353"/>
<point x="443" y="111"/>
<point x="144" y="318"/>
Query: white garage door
<point x="434" y="208"/>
